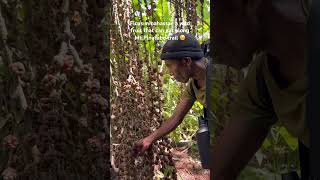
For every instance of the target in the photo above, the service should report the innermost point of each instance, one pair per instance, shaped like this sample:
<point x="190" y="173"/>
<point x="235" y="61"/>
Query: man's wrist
<point x="150" y="139"/>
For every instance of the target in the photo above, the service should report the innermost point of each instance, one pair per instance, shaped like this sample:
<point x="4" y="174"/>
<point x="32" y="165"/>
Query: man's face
<point x="235" y="33"/>
<point x="179" y="69"/>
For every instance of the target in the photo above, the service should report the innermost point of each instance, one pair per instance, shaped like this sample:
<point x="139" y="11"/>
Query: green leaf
<point x="168" y="170"/>
<point x="163" y="10"/>
<point x="135" y="4"/>
<point x="266" y="144"/>
<point x="290" y="140"/>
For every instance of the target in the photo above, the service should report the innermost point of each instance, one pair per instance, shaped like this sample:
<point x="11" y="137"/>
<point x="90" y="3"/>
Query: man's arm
<point x="168" y="126"/>
<point x="234" y="148"/>
<point x="174" y="121"/>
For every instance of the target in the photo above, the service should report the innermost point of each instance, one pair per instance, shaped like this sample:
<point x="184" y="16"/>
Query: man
<point x="185" y="61"/>
<point x="276" y="86"/>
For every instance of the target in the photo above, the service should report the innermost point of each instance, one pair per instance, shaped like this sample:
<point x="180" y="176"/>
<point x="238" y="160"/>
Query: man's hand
<point x="141" y="146"/>
<point x="168" y="126"/>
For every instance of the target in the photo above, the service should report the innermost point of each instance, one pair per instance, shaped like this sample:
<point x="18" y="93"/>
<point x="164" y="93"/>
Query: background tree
<point x="54" y="89"/>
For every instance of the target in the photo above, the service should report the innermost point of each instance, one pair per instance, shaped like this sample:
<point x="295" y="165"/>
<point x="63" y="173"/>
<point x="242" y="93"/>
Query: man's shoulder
<point x="188" y="91"/>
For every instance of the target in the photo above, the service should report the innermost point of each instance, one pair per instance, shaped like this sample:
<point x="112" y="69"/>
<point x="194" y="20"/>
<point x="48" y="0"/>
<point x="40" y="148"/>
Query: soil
<point x="187" y="167"/>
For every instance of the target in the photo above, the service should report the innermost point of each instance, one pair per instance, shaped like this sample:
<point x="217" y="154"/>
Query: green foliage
<point x="251" y="173"/>
<point x="279" y="150"/>
<point x="168" y="170"/>
<point x="204" y="27"/>
<point x="189" y="126"/>
<point x="290" y="141"/>
<point x="172" y="90"/>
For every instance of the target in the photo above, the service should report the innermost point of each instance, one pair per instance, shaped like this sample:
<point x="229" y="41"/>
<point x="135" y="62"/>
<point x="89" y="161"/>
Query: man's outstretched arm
<point x="234" y="148"/>
<point x="168" y="126"/>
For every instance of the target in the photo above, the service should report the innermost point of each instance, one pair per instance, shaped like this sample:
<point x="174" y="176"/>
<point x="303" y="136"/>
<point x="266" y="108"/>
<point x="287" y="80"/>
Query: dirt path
<point x="187" y="167"/>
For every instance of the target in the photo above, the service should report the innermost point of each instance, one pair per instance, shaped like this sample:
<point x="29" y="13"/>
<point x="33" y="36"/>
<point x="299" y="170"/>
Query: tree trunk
<point x="54" y="86"/>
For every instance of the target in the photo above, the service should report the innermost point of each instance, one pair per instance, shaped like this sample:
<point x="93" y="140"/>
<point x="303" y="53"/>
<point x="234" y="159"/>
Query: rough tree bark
<point x="54" y="86"/>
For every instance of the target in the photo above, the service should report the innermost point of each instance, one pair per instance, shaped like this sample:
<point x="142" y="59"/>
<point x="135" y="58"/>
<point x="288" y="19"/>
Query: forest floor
<point x="188" y="167"/>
